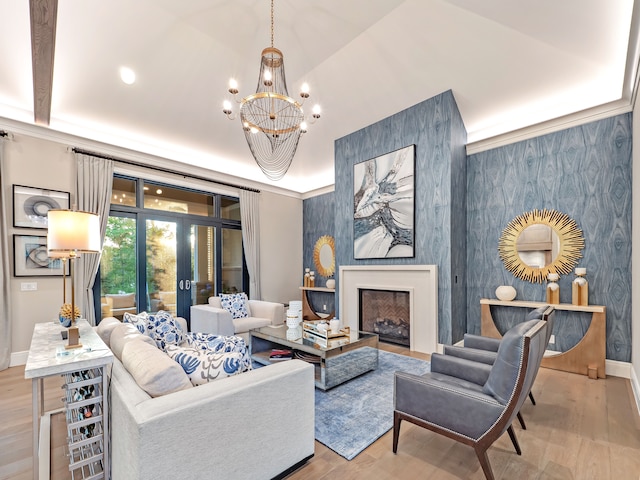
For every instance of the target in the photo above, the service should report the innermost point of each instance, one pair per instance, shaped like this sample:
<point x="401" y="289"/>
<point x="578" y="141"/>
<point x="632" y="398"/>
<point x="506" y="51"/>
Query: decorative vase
<point x="65" y="314"/>
<point x="331" y="283"/>
<point x="580" y="288"/>
<point x="506" y="293"/>
<point x="553" y="289"/>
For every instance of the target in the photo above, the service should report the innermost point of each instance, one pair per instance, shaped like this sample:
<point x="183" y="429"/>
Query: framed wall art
<point x="30" y="258"/>
<point x="383" y="206"/>
<point x="30" y="205"/>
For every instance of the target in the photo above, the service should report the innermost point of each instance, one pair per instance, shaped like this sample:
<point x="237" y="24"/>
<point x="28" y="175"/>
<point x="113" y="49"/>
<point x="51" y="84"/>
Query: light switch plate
<point x="28" y="286"/>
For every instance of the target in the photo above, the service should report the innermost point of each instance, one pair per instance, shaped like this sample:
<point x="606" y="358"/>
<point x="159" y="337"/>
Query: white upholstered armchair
<point x="212" y="318"/>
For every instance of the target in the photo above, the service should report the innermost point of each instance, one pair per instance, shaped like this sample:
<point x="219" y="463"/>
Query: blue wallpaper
<point x="463" y="204"/>
<point x="436" y="129"/>
<point x="584" y="172"/>
<point x="318" y="220"/>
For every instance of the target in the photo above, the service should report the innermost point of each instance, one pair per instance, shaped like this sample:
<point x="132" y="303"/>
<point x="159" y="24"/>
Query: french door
<point x="176" y="260"/>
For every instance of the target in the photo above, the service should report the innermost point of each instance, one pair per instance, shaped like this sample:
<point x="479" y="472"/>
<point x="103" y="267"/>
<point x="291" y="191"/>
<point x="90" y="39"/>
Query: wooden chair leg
<point x="396" y="430"/>
<point x="514" y="440"/>
<point x="484" y="463"/>
<point x="533" y="400"/>
<point x="521" y="420"/>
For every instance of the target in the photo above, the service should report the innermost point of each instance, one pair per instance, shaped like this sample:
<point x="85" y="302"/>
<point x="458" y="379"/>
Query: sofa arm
<point x="272" y="310"/>
<point x="208" y="319"/>
<point x="251" y="426"/>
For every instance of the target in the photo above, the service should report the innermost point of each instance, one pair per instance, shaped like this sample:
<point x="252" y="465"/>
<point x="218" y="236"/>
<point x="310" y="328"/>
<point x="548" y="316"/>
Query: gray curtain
<point x="93" y="194"/>
<point x="5" y="277"/>
<point x="250" y="217"/>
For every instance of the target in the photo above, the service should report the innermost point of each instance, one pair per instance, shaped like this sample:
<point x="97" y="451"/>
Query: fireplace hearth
<point x="387" y="314"/>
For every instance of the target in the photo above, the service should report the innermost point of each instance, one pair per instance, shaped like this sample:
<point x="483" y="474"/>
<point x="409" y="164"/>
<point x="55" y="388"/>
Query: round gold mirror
<point x="324" y="257"/>
<point x="539" y="242"/>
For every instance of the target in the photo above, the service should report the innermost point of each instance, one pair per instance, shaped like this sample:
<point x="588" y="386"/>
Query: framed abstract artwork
<point x="30" y="258"/>
<point x="383" y="206"/>
<point x="30" y="205"/>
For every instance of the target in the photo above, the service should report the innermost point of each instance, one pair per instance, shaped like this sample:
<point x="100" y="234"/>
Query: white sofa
<point x="255" y="425"/>
<point x="212" y="318"/>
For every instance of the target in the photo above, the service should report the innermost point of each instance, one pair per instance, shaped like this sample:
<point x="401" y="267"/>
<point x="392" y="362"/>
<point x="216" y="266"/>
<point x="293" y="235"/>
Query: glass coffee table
<point x="336" y="360"/>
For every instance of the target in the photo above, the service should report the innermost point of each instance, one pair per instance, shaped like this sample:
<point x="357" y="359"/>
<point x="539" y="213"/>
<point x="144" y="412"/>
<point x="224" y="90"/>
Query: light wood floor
<point x="580" y="429"/>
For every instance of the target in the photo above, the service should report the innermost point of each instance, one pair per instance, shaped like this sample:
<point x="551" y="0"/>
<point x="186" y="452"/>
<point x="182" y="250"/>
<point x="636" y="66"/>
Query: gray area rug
<point x="352" y="416"/>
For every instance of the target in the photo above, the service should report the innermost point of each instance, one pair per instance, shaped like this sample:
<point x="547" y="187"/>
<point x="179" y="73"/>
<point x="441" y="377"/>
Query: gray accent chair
<point x="471" y="402"/>
<point x="483" y="349"/>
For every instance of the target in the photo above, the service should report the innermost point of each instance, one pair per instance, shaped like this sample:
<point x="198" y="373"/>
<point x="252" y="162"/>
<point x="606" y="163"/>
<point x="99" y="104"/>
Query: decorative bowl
<point x="506" y="293"/>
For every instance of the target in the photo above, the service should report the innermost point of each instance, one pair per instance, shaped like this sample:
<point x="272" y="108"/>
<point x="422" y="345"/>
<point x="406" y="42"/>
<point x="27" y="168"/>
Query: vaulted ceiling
<point x="516" y="68"/>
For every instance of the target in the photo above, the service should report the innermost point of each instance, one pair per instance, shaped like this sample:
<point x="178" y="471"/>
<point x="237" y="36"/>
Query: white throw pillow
<point x="153" y="370"/>
<point x="235" y="303"/>
<point x="203" y="366"/>
<point x="124" y="333"/>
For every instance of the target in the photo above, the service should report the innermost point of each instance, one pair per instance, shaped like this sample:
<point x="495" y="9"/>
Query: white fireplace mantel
<point x="421" y="281"/>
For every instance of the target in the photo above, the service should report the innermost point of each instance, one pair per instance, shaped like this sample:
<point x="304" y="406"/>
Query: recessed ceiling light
<point x="127" y="75"/>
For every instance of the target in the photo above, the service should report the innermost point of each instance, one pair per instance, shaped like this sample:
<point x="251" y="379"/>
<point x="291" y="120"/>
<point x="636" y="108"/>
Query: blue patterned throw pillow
<point x="164" y="330"/>
<point x="215" y="343"/>
<point x="203" y="366"/>
<point x="235" y="303"/>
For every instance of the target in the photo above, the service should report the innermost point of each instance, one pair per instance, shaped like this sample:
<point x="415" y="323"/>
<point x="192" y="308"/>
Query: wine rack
<point x="84" y="410"/>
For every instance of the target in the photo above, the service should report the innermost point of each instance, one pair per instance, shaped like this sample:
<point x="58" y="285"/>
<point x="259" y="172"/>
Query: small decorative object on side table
<point x="553" y="289"/>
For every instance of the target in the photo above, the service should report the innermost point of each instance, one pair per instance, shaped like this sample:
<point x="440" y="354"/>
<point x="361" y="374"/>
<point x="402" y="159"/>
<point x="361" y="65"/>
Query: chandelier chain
<point x="271" y="23"/>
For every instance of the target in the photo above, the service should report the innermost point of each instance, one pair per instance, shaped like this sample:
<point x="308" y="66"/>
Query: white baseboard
<point x="635" y="386"/>
<point x="617" y="369"/>
<point x="18" y="358"/>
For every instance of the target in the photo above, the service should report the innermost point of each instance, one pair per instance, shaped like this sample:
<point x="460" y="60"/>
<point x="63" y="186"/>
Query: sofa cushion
<point x="235" y="303"/>
<point x="215" y="343"/>
<point x="164" y="329"/>
<point x="105" y="328"/>
<point x="152" y="369"/>
<point x="124" y="333"/>
<point x="139" y="320"/>
<point x="203" y="366"/>
<point x="241" y="325"/>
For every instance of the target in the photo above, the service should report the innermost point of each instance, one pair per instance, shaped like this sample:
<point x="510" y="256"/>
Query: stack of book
<point x="280" y="354"/>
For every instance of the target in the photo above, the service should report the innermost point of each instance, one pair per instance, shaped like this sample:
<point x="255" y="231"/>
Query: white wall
<point x="280" y="247"/>
<point x="635" y="259"/>
<point x="35" y="163"/>
<point x="44" y="163"/>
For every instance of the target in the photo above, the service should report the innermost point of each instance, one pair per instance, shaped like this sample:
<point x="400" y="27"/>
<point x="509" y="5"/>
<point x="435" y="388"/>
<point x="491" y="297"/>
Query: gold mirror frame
<point x="323" y="269"/>
<point x="569" y="235"/>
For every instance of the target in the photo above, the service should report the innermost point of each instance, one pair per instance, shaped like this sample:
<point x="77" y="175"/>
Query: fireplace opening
<point x="386" y="313"/>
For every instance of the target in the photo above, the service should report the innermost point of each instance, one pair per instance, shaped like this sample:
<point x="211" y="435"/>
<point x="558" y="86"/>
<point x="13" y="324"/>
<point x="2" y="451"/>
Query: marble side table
<point x="86" y="387"/>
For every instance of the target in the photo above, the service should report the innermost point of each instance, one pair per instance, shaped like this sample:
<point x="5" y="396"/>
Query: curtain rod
<point x="160" y="169"/>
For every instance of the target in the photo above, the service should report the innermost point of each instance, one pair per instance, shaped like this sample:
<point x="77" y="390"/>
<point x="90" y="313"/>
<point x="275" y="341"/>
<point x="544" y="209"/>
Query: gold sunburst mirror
<point x="539" y="242"/>
<point x="324" y="256"/>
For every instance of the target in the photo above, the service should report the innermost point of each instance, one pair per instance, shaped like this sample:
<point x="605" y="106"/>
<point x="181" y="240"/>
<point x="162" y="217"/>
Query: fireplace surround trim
<point x="421" y="280"/>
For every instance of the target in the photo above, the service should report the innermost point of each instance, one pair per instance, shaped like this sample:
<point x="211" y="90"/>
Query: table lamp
<point x="72" y="232"/>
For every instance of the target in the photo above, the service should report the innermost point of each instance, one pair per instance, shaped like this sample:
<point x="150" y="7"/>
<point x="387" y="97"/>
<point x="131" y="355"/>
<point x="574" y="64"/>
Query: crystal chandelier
<point x="272" y="121"/>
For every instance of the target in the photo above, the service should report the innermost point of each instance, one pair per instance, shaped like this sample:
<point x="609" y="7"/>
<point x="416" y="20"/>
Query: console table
<point x="587" y="357"/>
<point x="85" y="397"/>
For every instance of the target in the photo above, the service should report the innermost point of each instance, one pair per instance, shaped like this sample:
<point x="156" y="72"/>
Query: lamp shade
<point x="73" y="231"/>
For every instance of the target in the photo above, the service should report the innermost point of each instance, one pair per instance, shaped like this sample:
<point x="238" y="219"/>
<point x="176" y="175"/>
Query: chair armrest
<point x="482" y="343"/>
<point x="208" y="319"/>
<point x="473" y="354"/>
<point x="462" y="368"/>
<point x="272" y="310"/>
<point x="447" y="405"/>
